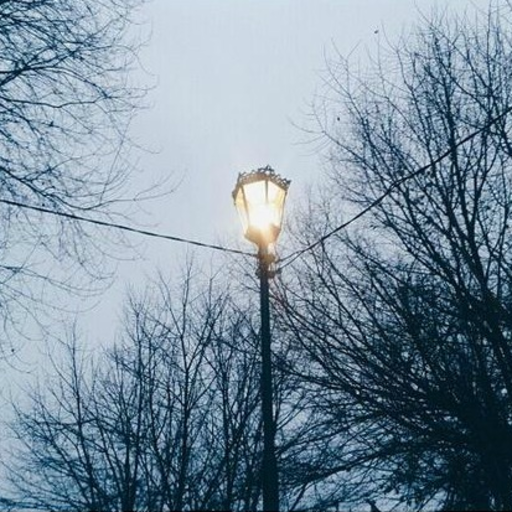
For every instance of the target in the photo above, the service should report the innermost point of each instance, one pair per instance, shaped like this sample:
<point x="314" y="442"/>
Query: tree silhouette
<point x="404" y="323"/>
<point x="167" y="420"/>
<point x="65" y="103"/>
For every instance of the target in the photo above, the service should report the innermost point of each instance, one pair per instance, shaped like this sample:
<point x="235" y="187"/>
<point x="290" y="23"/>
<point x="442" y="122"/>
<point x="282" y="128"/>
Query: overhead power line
<point x="123" y="227"/>
<point x="290" y="258"/>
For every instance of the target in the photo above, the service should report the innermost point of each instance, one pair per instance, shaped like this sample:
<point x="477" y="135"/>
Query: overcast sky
<point x="231" y="80"/>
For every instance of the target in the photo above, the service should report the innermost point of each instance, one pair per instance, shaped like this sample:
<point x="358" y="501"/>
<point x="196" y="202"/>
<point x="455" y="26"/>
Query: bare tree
<point x="169" y="418"/>
<point x="404" y="324"/>
<point x="65" y="104"/>
<point x="169" y="421"/>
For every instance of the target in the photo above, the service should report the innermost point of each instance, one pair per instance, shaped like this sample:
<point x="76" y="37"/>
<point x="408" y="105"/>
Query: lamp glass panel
<point x="241" y="207"/>
<point x="277" y="196"/>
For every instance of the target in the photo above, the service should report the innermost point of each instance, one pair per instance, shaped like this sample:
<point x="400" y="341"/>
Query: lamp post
<point x="259" y="197"/>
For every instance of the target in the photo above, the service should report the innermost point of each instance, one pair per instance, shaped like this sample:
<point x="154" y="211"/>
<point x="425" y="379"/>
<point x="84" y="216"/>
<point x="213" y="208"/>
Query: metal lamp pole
<point x="269" y="475"/>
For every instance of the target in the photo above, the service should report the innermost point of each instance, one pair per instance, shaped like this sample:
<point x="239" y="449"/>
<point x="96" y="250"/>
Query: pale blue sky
<point x="231" y="76"/>
<point x="230" y="79"/>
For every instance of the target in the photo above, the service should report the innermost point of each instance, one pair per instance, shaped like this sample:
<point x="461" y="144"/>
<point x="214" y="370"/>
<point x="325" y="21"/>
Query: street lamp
<point x="259" y="198"/>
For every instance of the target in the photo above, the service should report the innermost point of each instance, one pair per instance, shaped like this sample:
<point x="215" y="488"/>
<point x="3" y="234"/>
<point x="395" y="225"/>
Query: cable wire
<point x="290" y="258"/>
<point x="123" y="227"/>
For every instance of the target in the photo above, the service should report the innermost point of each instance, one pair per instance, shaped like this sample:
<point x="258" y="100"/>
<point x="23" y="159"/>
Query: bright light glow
<point x="260" y="207"/>
<point x="262" y="216"/>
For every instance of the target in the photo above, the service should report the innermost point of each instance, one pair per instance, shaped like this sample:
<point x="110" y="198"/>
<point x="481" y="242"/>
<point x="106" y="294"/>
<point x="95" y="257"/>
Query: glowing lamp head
<point x="259" y="198"/>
